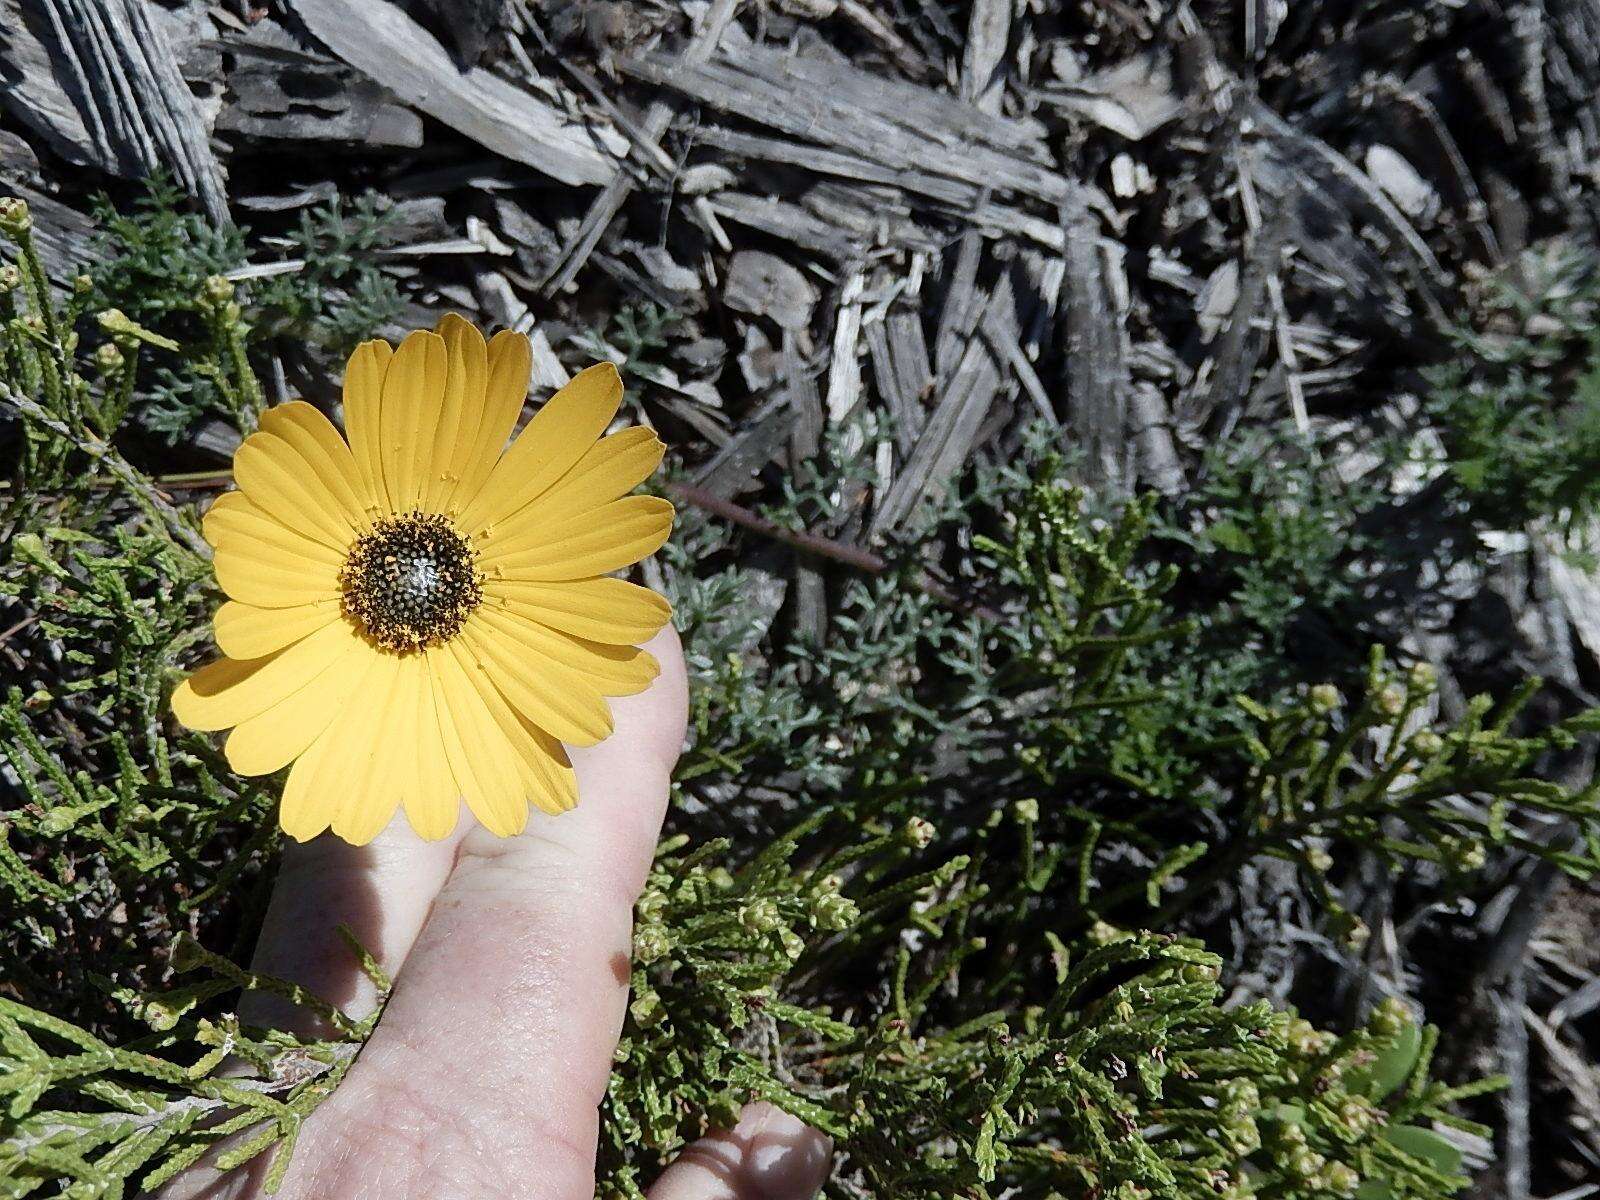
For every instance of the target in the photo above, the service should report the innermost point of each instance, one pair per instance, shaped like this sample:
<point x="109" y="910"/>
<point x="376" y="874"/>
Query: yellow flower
<point x="416" y="618"/>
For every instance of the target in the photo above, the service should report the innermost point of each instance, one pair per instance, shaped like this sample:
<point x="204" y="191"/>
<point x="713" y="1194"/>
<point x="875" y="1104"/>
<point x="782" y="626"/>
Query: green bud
<point x="1350" y="929"/>
<point x="10" y="278"/>
<point x="1423" y="677"/>
<point x="1319" y="860"/>
<point x="918" y="833"/>
<point x="1341" y="1179"/>
<point x="108" y="359"/>
<point x="1026" y="811"/>
<point x="82" y="284"/>
<point x="720" y="878"/>
<point x="761" y="916"/>
<point x="217" y="290"/>
<point x="1425" y="743"/>
<point x="1390" y="1017"/>
<point x="15" y="219"/>
<point x="652" y="906"/>
<point x="1391" y="698"/>
<point x="1305" y="1163"/>
<point x="834" y="912"/>
<point x="793" y="944"/>
<point x="1199" y="973"/>
<point x="651" y="943"/>
<point x="1356" y="1115"/>
<point x="647" y="1009"/>
<point x="1306" y="1038"/>
<point x="1325" y="698"/>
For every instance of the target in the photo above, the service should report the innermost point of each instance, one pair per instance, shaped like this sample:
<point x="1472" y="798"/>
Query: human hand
<point x="510" y="962"/>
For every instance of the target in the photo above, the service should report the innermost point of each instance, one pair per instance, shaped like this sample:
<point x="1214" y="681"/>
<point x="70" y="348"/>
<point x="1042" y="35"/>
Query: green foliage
<point x="956" y="928"/>
<point x="1519" y="405"/>
<point x="170" y="269"/>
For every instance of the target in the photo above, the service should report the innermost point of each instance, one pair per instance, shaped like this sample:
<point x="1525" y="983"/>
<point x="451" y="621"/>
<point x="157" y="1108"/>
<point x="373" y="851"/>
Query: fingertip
<point x="786" y="1159"/>
<point x="768" y="1155"/>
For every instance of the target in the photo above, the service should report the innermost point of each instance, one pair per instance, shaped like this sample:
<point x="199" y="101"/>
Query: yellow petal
<point x="490" y="774"/>
<point x="413" y="394"/>
<point x="274" y="476"/>
<point x="332" y="766"/>
<point x="363" y="398"/>
<point x="314" y="438"/>
<point x="611" y="468"/>
<point x="434" y="802"/>
<point x="554" y="784"/>
<point x="234" y="519"/>
<point x="461" y="416"/>
<point x="228" y="691"/>
<point x="505" y="392"/>
<point x="605" y="539"/>
<point x="372" y="796"/>
<point x="308" y="793"/>
<point x="551" y="696"/>
<point x="555" y="439"/>
<point x="546" y="772"/>
<point x="274" y="738"/>
<point x="610" y="670"/>
<point x="260" y="562"/>
<point x="602" y="610"/>
<point x="245" y="631"/>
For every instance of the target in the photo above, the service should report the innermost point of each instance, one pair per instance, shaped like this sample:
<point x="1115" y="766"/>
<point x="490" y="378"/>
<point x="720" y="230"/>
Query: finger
<point x="768" y="1155"/>
<point x="513" y="994"/>
<point x="382" y="891"/>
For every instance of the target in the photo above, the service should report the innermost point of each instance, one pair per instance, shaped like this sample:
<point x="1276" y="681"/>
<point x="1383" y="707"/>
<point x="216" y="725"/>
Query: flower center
<point x="412" y="582"/>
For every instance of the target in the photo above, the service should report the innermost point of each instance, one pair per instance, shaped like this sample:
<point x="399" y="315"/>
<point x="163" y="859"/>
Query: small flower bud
<point x="1325" y="698"/>
<point x="1423" y="677"/>
<point x="1305" y="1163"/>
<point x="108" y="359"/>
<point x="1425" y="743"/>
<point x="834" y="912"/>
<point x="15" y="219"/>
<point x="1026" y="811"/>
<point x="1464" y="854"/>
<point x="1350" y="929"/>
<point x="1390" y="700"/>
<point x="82" y="284"/>
<point x="1305" y="1038"/>
<point x="10" y="278"/>
<point x="1390" y="1017"/>
<point x="217" y="290"/>
<point x="652" y="906"/>
<point x="1356" y="1115"/>
<point x="760" y="915"/>
<point x="793" y="944"/>
<point x="1199" y="973"/>
<point x="1319" y="860"/>
<point x="647" y="1009"/>
<point x="1340" y="1179"/>
<point x="919" y="833"/>
<point x="651" y="943"/>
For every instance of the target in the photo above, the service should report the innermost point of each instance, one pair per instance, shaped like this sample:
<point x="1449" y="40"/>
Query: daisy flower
<point x="416" y="618"/>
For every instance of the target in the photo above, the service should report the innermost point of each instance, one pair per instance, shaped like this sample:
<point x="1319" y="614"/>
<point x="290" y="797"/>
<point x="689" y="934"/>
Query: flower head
<point x="416" y="618"/>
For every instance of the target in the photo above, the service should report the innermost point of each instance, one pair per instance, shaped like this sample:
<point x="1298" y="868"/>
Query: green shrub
<point x="963" y="948"/>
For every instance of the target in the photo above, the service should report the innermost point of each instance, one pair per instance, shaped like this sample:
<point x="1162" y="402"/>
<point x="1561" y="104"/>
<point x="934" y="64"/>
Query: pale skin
<point x="510" y="962"/>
